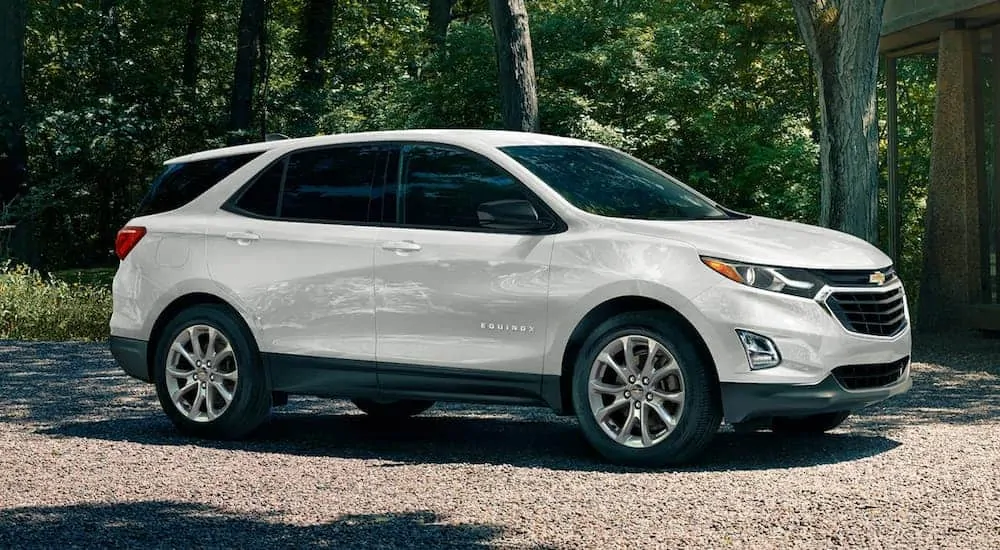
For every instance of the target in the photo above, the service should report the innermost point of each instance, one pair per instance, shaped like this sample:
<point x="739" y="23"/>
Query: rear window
<point x="183" y="182"/>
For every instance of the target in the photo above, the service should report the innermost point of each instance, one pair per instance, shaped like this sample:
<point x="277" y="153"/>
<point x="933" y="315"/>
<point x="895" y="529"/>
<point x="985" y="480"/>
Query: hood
<point x="768" y="241"/>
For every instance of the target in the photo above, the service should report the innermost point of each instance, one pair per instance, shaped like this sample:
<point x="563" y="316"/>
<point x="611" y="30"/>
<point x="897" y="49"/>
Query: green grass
<point x="94" y="276"/>
<point x="69" y="305"/>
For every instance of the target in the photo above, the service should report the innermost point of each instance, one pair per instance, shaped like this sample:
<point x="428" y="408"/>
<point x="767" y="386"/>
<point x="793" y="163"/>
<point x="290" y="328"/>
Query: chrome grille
<point x="873" y="313"/>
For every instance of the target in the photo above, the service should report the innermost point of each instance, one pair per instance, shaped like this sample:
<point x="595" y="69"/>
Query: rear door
<point x="460" y="308"/>
<point x="295" y="247"/>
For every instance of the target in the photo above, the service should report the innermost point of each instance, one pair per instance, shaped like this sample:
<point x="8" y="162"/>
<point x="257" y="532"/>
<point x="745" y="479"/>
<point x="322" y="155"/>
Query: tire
<point x="697" y="411"/>
<point x="392" y="410"/>
<point x="239" y="372"/>
<point x="813" y="424"/>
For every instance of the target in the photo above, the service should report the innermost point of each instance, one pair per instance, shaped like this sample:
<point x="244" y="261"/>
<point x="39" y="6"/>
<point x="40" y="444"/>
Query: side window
<point x="181" y="183"/>
<point x="330" y="184"/>
<point x="261" y="198"/>
<point x="444" y="187"/>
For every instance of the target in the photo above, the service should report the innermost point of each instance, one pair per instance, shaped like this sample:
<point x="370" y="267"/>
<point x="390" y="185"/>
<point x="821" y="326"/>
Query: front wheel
<point x="389" y="410"/>
<point x="643" y="394"/>
<point x="812" y="424"/>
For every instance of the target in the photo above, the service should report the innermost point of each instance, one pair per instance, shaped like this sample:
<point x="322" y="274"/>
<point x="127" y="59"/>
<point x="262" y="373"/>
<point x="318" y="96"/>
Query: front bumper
<point x="744" y="402"/>
<point x="130" y="354"/>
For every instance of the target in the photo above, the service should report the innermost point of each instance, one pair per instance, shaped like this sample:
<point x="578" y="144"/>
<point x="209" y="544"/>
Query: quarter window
<point x="443" y="187"/>
<point x="181" y="183"/>
<point x="261" y="198"/>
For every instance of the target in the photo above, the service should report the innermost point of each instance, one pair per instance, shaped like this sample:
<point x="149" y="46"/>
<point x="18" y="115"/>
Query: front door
<point x="460" y="308"/>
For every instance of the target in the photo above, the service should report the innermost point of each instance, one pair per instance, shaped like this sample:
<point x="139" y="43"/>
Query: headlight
<point x="797" y="282"/>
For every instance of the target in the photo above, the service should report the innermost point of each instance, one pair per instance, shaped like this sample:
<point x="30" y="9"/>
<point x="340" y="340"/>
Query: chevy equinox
<point x="401" y="268"/>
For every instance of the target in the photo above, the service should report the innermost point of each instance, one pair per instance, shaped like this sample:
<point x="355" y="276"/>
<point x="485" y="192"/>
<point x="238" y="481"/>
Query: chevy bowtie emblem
<point x="877" y="278"/>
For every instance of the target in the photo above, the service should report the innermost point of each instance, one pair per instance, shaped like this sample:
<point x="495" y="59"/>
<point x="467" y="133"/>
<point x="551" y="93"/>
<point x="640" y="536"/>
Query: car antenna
<point x="275" y="137"/>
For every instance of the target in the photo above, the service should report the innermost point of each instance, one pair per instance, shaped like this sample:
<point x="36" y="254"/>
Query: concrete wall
<point x="902" y="14"/>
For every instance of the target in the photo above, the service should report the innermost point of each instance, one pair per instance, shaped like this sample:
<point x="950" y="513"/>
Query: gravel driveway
<point x="87" y="459"/>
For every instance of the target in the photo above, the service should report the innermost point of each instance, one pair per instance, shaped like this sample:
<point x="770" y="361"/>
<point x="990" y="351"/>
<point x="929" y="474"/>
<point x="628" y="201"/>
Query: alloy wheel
<point x="201" y="373"/>
<point x="636" y="391"/>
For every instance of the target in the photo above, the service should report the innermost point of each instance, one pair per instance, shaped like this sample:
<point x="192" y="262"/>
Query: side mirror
<point x="510" y="214"/>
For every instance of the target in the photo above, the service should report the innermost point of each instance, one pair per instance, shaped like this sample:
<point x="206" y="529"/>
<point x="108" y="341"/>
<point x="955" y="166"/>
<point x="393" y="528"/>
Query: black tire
<point x="702" y="412"/>
<point x="812" y="424"/>
<point x="251" y="397"/>
<point x="392" y="410"/>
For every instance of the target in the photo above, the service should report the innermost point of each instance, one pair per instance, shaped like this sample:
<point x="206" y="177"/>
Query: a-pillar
<point x="952" y="265"/>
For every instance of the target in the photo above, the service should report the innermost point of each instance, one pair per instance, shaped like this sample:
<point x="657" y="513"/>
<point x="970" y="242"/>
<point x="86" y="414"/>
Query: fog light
<point x="761" y="351"/>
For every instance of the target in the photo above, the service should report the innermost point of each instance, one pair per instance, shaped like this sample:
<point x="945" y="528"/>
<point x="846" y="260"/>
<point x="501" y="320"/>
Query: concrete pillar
<point x="952" y="277"/>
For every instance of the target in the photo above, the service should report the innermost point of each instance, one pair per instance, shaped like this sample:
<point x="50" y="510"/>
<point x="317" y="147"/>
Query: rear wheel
<point x="208" y="374"/>
<point x="392" y="409"/>
<point x="816" y="423"/>
<point x="642" y="392"/>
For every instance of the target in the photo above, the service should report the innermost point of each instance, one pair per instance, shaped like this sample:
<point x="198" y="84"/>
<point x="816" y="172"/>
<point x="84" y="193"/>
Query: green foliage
<point x="34" y="307"/>
<point x="719" y="94"/>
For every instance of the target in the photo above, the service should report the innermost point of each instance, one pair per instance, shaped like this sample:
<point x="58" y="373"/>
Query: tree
<point x="13" y="156"/>
<point x="438" y="19"/>
<point x="842" y="39"/>
<point x="250" y="27"/>
<point x="192" y="45"/>
<point x="315" y="34"/>
<point x="518" y="99"/>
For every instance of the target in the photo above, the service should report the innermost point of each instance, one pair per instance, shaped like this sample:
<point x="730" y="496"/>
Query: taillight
<point x="126" y="240"/>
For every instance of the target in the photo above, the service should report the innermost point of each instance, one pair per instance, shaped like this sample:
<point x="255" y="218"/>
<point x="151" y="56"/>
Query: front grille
<point x="873" y="313"/>
<point x="854" y="277"/>
<point x="862" y="377"/>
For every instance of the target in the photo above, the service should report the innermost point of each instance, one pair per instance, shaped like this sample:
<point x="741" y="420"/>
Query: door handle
<point x="401" y="246"/>
<point x="242" y="237"/>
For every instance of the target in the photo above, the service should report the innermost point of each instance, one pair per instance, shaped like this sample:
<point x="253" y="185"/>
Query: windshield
<point x="610" y="183"/>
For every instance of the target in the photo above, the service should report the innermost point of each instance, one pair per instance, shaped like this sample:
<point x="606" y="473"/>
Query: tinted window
<point x="181" y="183"/>
<point x="443" y="187"/>
<point x="610" y="183"/>
<point x="330" y="184"/>
<point x="261" y="198"/>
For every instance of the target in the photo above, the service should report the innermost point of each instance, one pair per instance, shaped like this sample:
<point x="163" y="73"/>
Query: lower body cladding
<point x="846" y="388"/>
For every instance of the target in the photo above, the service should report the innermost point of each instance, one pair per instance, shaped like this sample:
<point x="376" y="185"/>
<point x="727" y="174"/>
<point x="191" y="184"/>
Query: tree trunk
<point x="518" y="99"/>
<point x="192" y="45"/>
<point x="241" y="101"/>
<point x="314" y="43"/>
<point x="438" y="19"/>
<point x="13" y="156"/>
<point x="842" y="38"/>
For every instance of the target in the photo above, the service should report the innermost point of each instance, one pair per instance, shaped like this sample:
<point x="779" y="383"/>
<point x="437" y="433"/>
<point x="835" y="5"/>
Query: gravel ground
<point x="87" y="459"/>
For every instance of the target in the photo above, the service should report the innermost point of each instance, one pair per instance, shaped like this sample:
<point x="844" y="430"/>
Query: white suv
<point x="402" y="268"/>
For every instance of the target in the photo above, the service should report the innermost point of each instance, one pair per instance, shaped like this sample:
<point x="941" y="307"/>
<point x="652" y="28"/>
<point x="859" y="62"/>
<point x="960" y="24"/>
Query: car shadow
<point x="165" y="524"/>
<point x="469" y="437"/>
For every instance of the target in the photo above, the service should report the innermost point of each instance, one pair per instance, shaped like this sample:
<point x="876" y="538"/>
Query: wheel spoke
<point x="209" y="402"/>
<point x="226" y="353"/>
<point x="665" y="416"/>
<point x="601" y="387"/>
<point x="231" y="375"/>
<point x="210" y="348"/>
<point x="177" y="373"/>
<point x="609" y="361"/>
<point x="195" y="409"/>
<point x="663" y="372"/>
<point x="195" y="344"/>
<point x="602" y="415"/>
<point x="631" y="361"/>
<point x="177" y="347"/>
<point x="626" y="430"/>
<point x="226" y="395"/>
<point x="647" y="440"/>
<point x="676" y="398"/>
<point x="653" y="348"/>
<point x="181" y="391"/>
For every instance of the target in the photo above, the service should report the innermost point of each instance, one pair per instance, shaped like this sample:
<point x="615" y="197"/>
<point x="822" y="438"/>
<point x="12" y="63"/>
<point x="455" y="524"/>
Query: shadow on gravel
<point x="556" y="444"/>
<point x="182" y="525"/>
